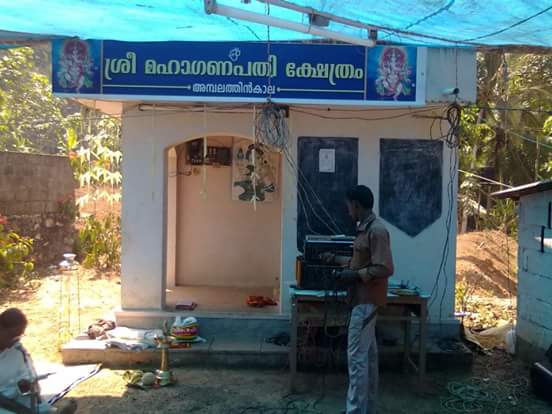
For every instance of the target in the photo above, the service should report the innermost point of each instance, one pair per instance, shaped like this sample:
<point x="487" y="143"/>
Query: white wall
<point x="416" y="259"/>
<point x="534" y="322"/>
<point x="451" y="68"/>
<point x="172" y="183"/>
<point x="222" y="242"/>
<point x="143" y="216"/>
<point x="146" y="138"/>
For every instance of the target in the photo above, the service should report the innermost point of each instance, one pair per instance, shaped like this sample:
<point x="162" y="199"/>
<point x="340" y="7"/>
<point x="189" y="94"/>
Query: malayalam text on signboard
<point x="246" y="71"/>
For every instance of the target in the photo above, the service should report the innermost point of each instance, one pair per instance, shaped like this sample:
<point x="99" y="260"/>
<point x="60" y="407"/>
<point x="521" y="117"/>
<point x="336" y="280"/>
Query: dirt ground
<point x="486" y="285"/>
<point x="487" y="261"/>
<point x="224" y="391"/>
<point x="481" y="263"/>
<point x="48" y="322"/>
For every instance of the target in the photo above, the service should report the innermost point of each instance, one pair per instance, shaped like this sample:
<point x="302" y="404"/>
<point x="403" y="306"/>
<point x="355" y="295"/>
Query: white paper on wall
<point x="326" y="160"/>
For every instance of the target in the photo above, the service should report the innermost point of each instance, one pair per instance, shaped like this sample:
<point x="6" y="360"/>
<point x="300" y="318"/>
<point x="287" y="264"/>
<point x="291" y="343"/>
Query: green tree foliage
<point x="31" y="117"/>
<point x="493" y="144"/>
<point x="506" y="84"/>
<point x="14" y="256"/>
<point x="99" y="243"/>
<point x="506" y="135"/>
<point x="96" y="160"/>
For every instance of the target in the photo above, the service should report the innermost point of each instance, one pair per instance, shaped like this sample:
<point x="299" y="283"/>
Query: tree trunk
<point x="465" y="209"/>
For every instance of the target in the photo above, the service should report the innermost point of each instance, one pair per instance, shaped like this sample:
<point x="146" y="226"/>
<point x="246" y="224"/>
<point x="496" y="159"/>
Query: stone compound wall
<point x="53" y="234"/>
<point x="34" y="184"/>
<point x="31" y="189"/>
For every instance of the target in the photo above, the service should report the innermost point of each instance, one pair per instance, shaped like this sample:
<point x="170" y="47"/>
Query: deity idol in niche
<point x="258" y="177"/>
<point x="393" y="73"/>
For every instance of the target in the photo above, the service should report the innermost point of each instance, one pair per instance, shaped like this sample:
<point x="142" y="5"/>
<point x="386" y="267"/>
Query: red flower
<point x="3" y="220"/>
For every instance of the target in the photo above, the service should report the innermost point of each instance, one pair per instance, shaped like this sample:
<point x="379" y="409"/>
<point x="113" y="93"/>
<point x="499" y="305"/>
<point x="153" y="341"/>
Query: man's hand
<point x="348" y="274"/>
<point x="327" y="258"/>
<point x="347" y="277"/>
<point x="25" y="387"/>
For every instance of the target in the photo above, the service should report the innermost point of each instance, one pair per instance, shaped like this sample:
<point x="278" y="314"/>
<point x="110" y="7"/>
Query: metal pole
<point x="212" y="7"/>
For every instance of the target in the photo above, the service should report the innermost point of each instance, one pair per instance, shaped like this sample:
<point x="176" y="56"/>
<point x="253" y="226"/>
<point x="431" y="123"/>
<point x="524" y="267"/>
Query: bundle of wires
<point x="489" y="396"/>
<point x="451" y="138"/>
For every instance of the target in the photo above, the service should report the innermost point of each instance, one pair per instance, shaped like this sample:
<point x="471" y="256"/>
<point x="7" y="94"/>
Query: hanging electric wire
<point x="304" y="195"/>
<point x="309" y="191"/>
<point x="484" y="178"/>
<point x="452" y="138"/>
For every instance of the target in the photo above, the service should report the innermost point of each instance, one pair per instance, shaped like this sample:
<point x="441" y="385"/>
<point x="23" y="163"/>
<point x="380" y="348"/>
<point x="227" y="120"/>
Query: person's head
<point x="13" y="323"/>
<point x="360" y="201"/>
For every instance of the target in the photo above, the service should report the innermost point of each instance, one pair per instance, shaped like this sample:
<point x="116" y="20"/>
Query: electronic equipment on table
<point x="404" y="289"/>
<point x="310" y="271"/>
<point x="314" y="246"/>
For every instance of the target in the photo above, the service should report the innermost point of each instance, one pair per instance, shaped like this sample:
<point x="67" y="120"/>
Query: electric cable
<point x="541" y="144"/>
<point x="297" y="108"/>
<point x="451" y="138"/>
<point x="328" y="109"/>
<point x="302" y="197"/>
<point x="453" y="115"/>
<point x="301" y="177"/>
<point x="442" y="9"/>
<point x="248" y="28"/>
<point x="484" y="178"/>
<point x="357" y="118"/>
<point x="519" y="22"/>
<point x="489" y="396"/>
<point x="446" y="249"/>
<point x="304" y="183"/>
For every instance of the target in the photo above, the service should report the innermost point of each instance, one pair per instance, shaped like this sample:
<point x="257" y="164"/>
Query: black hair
<point x="361" y="194"/>
<point x="13" y="318"/>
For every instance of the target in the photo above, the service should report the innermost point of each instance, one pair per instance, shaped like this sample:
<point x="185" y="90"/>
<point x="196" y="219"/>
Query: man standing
<point x="365" y="275"/>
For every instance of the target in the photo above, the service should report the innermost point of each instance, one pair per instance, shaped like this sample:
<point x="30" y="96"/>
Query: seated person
<point x="18" y="379"/>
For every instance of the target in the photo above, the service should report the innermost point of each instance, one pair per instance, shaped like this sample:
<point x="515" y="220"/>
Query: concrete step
<point x="233" y="339"/>
<point x="211" y="325"/>
<point x="245" y="352"/>
<point x="217" y="351"/>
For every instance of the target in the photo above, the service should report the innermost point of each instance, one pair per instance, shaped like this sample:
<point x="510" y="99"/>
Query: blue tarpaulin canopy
<point x="414" y="22"/>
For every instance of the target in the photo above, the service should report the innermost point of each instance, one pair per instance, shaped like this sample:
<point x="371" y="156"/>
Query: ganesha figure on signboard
<point x="394" y="73"/>
<point x="76" y="66"/>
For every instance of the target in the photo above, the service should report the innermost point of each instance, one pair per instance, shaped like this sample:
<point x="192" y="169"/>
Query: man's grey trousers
<point x="362" y="355"/>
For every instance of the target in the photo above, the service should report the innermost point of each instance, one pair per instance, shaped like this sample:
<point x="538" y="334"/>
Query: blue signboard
<point x="237" y="71"/>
